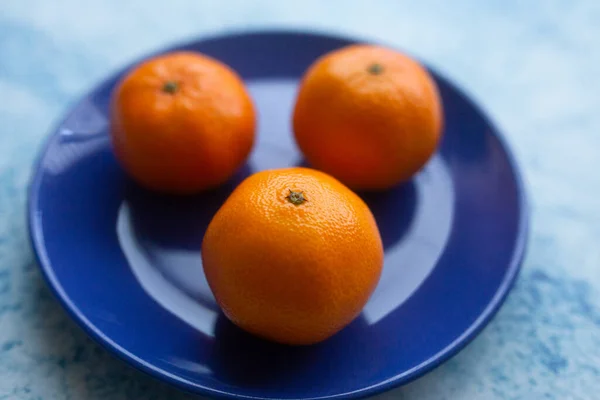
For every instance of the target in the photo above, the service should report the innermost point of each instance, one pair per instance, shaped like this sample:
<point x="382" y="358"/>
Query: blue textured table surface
<point x="533" y="68"/>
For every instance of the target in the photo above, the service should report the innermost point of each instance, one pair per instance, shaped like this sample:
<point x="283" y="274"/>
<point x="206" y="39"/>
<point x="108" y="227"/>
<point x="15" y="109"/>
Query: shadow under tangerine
<point x="178" y="222"/>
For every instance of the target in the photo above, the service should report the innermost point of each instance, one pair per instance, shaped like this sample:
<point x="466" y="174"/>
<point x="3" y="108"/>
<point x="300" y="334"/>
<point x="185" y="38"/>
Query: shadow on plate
<point x="393" y="210"/>
<point x="243" y="358"/>
<point x="247" y="360"/>
<point x="177" y="221"/>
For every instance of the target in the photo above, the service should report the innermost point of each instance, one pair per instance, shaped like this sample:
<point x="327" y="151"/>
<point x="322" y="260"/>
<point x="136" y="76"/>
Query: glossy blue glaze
<point x="125" y="262"/>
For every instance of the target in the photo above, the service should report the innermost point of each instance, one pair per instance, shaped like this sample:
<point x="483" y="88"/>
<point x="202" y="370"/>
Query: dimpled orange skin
<point x="368" y="115"/>
<point x="294" y="274"/>
<point x="182" y="122"/>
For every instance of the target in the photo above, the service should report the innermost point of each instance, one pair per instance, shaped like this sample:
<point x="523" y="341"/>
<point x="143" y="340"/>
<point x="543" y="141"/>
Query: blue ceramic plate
<point x="125" y="262"/>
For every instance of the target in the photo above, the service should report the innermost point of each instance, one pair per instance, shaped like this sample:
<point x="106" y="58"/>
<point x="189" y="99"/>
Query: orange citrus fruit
<point x="182" y="122"/>
<point x="368" y="115"/>
<point x="292" y="255"/>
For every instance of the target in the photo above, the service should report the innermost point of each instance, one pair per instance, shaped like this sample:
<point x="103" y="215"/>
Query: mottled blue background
<point x="534" y="67"/>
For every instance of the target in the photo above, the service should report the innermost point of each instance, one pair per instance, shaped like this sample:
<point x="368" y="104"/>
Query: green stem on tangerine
<point x="170" y="87"/>
<point x="375" y="69"/>
<point x="296" y="198"/>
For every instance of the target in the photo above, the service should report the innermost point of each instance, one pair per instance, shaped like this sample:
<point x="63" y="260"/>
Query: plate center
<point x="161" y="236"/>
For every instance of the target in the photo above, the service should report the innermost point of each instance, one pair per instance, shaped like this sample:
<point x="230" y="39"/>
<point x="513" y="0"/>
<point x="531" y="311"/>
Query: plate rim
<point x="36" y="238"/>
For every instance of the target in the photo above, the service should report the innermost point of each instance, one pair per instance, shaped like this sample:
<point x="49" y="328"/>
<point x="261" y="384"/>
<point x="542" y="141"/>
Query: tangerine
<point x="182" y="122"/>
<point x="368" y="115"/>
<point x="293" y="255"/>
